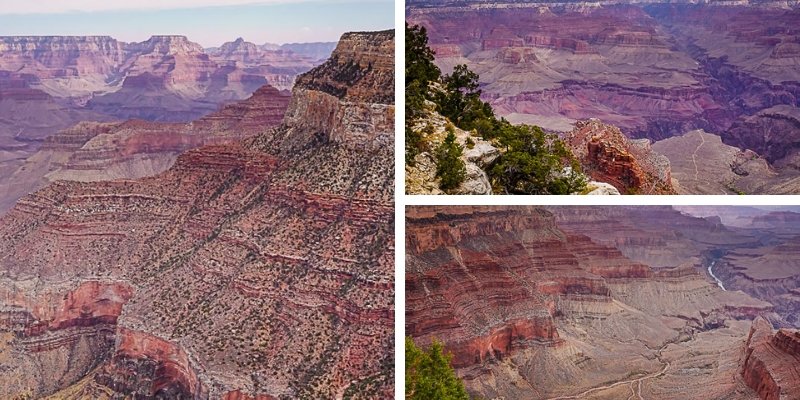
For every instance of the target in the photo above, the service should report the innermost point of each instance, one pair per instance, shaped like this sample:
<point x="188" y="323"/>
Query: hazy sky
<point x="208" y="22"/>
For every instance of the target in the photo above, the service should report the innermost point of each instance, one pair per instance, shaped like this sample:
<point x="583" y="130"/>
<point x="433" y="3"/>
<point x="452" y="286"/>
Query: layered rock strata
<point x="50" y="83"/>
<point x="772" y="361"/>
<point x="606" y="155"/>
<point x="525" y="306"/>
<point x="134" y="149"/>
<point x="258" y="269"/>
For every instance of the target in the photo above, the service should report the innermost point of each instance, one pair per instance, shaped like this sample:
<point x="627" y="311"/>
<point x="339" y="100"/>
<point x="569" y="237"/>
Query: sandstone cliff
<point x="772" y="361"/>
<point x="256" y="269"/>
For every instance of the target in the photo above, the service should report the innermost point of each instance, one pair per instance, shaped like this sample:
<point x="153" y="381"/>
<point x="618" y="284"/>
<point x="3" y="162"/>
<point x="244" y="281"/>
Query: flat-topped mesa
<point x="349" y="99"/>
<point x="771" y="365"/>
<point x="167" y="45"/>
<point x="608" y="156"/>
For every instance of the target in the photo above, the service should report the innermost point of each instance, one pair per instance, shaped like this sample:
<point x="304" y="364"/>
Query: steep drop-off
<point x="772" y="363"/>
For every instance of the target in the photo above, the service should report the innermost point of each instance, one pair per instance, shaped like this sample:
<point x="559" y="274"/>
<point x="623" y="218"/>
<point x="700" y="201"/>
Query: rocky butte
<point x="92" y="151"/>
<point x="657" y="70"/>
<point x="260" y="268"/>
<point x="595" y="302"/>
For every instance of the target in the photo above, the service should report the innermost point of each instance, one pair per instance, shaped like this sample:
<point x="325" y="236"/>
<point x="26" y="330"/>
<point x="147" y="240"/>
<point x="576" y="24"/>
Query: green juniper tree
<point x="429" y="375"/>
<point x="420" y="72"/>
<point x="450" y="169"/>
<point x="533" y="162"/>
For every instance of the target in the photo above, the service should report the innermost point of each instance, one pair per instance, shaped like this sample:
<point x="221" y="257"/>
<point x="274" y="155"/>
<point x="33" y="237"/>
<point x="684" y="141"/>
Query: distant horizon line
<point x="176" y="35"/>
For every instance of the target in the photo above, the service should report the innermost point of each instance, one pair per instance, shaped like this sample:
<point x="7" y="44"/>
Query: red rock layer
<point x="466" y="263"/>
<point x="262" y="111"/>
<point x="772" y="361"/>
<point x="147" y="366"/>
<point x="608" y="156"/>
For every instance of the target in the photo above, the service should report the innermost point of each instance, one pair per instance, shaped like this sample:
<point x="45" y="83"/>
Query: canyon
<point x="566" y="302"/>
<point x="655" y="70"/>
<point x="93" y="151"/>
<point x="259" y="265"/>
<point x="166" y="86"/>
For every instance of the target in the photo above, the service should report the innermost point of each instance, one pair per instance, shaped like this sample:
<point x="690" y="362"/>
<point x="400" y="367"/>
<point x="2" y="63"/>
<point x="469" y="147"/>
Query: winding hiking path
<point x="631" y="382"/>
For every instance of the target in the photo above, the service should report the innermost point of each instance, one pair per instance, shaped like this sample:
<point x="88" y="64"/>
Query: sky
<point x="208" y="22"/>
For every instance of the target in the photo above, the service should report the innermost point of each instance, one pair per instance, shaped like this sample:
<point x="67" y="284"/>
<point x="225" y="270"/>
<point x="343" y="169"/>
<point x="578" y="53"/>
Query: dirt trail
<point x="694" y="157"/>
<point x="631" y="382"/>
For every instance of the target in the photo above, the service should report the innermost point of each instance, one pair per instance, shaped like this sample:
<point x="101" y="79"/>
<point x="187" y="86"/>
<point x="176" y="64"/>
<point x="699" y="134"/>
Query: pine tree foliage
<point x="429" y="375"/>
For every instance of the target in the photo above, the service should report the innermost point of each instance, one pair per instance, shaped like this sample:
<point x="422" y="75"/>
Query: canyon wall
<point x="258" y="269"/>
<point x="91" y="151"/>
<point x="771" y="361"/>
<point x="50" y="83"/>
<point x="531" y="307"/>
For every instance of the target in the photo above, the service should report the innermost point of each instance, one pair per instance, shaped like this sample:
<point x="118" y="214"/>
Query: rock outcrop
<point x="258" y="269"/>
<point x="772" y="361"/>
<point x="477" y="155"/>
<point x="606" y="155"/>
